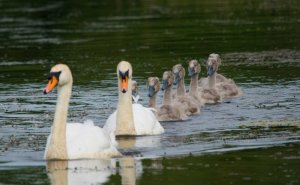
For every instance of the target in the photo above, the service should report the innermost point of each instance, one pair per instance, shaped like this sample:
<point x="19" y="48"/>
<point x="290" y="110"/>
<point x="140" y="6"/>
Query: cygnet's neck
<point x="152" y="101"/>
<point x="181" y="87"/>
<point x="212" y="81"/>
<point x="58" y="148"/>
<point x="194" y="85"/>
<point x="125" y="121"/>
<point x="167" y="95"/>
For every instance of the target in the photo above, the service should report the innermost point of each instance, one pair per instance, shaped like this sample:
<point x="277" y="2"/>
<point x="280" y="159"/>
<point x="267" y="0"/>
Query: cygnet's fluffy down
<point x="165" y="112"/>
<point x="225" y="87"/>
<point x="202" y="95"/>
<point x="188" y="103"/>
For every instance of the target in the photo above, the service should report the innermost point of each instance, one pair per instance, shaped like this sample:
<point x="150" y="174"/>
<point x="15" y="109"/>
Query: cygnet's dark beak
<point x="210" y="70"/>
<point x="150" y="91"/>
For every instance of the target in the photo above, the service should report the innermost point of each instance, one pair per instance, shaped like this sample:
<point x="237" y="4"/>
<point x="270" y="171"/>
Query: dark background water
<point x="258" y="41"/>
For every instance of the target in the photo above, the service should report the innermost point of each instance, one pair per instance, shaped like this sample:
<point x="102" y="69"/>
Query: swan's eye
<point x="127" y="73"/>
<point x="56" y="74"/>
<point x="124" y="75"/>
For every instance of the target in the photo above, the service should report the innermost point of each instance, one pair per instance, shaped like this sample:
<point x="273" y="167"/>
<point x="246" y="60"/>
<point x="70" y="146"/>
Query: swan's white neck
<point x="57" y="149"/>
<point x="125" y="122"/>
<point x="212" y="81"/>
<point x="181" y="88"/>
<point x="152" y="101"/>
<point x="167" y="96"/>
<point x="194" y="85"/>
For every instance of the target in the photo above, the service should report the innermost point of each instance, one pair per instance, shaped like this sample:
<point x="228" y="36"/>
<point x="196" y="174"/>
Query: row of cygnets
<point x="183" y="103"/>
<point x="82" y="141"/>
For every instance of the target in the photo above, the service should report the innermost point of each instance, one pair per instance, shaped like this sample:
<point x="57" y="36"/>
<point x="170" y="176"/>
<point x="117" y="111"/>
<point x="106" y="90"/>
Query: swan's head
<point x="60" y="75"/>
<point x="152" y="86"/>
<point x="167" y="80"/>
<point x="124" y="72"/>
<point x="135" y="88"/>
<point x="194" y="68"/>
<point x="213" y="63"/>
<point x="179" y="73"/>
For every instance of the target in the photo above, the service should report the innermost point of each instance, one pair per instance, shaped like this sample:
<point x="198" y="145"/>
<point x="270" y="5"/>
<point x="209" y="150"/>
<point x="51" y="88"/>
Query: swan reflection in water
<point x="80" y="171"/>
<point x="98" y="171"/>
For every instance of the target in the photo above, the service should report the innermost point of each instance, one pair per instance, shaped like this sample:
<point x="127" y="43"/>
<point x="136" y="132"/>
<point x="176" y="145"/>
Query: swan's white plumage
<point x="74" y="140"/>
<point x="145" y="122"/>
<point x="86" y="141"/>
<point x="131" y="119"/>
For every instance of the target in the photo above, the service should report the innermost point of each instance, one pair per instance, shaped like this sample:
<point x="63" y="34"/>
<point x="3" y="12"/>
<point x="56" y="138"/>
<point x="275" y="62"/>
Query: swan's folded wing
<point x="145" y="121"/>
<point x="110" y="124"/>
<point x="88" y="141"/>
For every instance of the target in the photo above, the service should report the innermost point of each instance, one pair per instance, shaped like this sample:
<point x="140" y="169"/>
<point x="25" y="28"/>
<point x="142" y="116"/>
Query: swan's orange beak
<point x="124" y="81"/>
<point x="53" y="81"/>
<point x="124" y="84"/>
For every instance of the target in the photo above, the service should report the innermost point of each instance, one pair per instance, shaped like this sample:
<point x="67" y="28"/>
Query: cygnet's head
<point x="194" y="68"/>
<point x="167" y="80"/>
<point x="135" y="88"/>
<point x="124" y="72"/>
<point x="60" y="75"/>
<point x="213" y="63"/>
<point x="153" y="86"/>
<point x="178" y="72"/>
<point x="216" y="57"/>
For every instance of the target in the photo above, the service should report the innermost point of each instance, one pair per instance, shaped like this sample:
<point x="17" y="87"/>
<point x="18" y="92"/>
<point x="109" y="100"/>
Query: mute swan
<point x="135" y="92"/>
<point x="225" y="87"/>
<point x="203" y="95"/>
<point x="131" y="119"/>
<point x="165" y="112"/>
<point x="187" y="102"/>
<point x="73" y="140"/>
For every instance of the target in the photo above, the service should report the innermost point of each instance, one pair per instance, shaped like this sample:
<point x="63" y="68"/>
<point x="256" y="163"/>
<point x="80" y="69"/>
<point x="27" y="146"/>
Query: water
<point x="259" y="46"/>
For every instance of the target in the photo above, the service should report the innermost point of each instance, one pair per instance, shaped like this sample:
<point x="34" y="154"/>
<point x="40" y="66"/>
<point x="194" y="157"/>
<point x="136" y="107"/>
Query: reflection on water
<point x="130" y="170"/>
<point x="58" y="172"/>
<point x="127" y="171"/>
<point x="80" y="171"/>
<point x="94" y="171"/>
<point x="99" y="171"/>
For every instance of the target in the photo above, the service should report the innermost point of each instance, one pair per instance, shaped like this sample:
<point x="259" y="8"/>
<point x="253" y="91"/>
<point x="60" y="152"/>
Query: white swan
<point x="131" y="119"/>
<point x="165" y="112"/>
<point x="188" y="103"/>
<point x="73" y="140"/>
<point x="202" y="94"/>
<point x="225" y="87"/>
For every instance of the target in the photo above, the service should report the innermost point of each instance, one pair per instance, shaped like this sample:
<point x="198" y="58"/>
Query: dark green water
<point x="276" y="165"/>
<point x="259" y="43"/>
